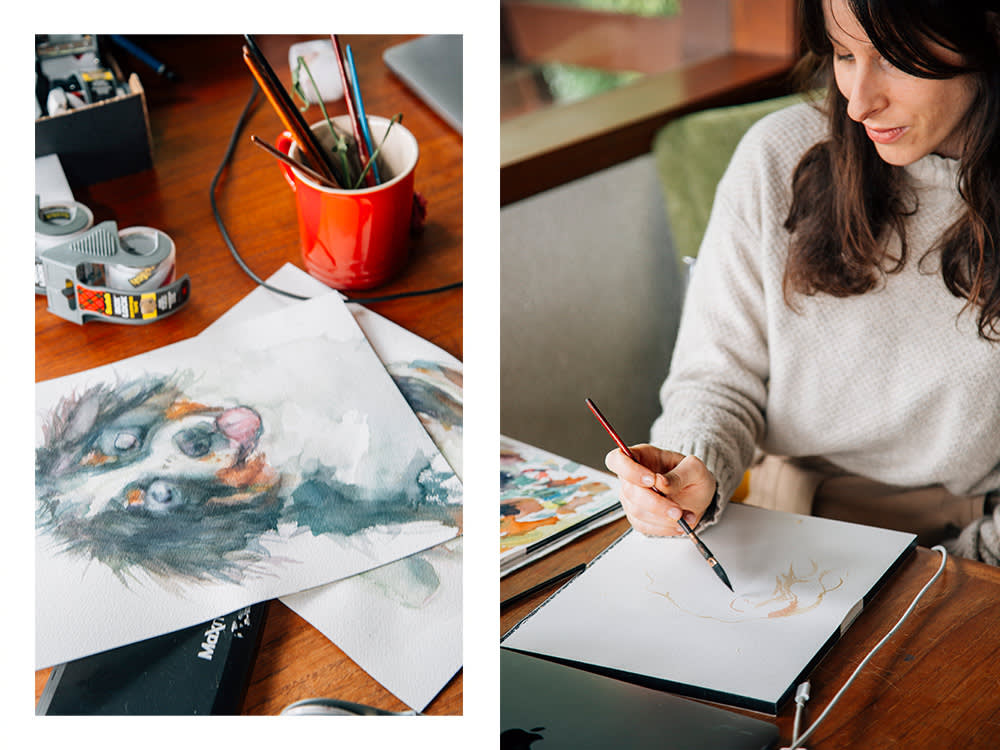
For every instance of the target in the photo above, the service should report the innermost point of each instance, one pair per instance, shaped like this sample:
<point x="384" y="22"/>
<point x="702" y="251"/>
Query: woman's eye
<point x="885" y="64"/>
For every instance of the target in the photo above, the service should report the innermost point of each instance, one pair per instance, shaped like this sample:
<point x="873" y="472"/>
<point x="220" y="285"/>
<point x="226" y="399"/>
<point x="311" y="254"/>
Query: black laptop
<point x="548" y="706"/>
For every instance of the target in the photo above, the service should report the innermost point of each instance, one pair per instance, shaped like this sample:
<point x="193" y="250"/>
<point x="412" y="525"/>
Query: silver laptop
<point x="431" y="67"/>
<point x="548" y="706"/>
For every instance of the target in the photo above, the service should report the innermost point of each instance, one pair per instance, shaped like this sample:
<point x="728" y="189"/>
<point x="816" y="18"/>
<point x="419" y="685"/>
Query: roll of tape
<point x="122" y="277"/>
<point x="154" y="250"/>
<point x="56" y="223"/>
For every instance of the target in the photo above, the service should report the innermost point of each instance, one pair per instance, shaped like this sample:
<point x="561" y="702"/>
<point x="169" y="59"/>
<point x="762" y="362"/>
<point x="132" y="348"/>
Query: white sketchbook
<point x="651" y="611"/>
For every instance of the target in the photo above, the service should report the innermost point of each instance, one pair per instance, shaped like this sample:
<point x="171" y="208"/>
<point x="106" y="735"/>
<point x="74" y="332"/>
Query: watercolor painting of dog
<point x="138" y="475"/>
<point x="280" y="457"/>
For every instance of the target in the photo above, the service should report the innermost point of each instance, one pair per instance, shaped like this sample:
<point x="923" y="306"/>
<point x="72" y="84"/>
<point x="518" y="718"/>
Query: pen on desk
<point x="688" y="531"/>
<point x="352" y="113"/>
<point x="362" y="117"/>
<point x="285" y="109"/>
<point x="542" y="586"/>
<point x="134" y="49"/>
<point x="292" y="162"/>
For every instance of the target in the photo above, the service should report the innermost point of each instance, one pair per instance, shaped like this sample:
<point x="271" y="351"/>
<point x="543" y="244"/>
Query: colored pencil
<point x="362" y="117"/>
<point x="700" y="545"/>
<point x="293" y="163"/>
<point x="352" y="113"/>
<point x="283" y="106"/>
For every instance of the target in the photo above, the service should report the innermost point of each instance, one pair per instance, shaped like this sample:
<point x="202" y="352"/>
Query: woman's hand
<point x="686" y="483"/>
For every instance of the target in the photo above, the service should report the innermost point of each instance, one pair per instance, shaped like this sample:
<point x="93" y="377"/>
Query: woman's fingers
<point x="650" y="513"/>
<point x="660" y="487"/>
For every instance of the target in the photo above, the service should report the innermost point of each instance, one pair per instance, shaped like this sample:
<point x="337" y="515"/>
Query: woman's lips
<point x="884" y="135"/>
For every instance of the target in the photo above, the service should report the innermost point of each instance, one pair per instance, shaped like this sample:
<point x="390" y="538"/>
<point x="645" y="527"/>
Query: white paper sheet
<point x="652" y="607"/>
<point x="333" y="428"/>
<point x="401" y="623"/>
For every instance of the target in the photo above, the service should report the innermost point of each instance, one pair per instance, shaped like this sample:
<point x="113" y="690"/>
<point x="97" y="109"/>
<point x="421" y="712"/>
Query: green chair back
<point x="691" y="154"/>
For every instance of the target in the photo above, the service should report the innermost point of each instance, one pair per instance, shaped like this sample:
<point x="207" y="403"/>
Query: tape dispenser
<point x="103" y="274"/>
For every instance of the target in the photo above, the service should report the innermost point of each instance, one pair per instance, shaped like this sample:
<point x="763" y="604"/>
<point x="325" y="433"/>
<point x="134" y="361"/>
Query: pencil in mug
<point x="285" y="109"/>
<point x="362" y="117"/>
<point x="700" y="545"/>
<point x="352" y="113"/>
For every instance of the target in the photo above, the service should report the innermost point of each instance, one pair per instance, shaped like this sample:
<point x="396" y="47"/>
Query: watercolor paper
<point x="546" y="501"/>
<point x="430" y="379"/>
<point x="651" y="610"/>
<point x="222" y="471"/>
<point x="401" y="623"/>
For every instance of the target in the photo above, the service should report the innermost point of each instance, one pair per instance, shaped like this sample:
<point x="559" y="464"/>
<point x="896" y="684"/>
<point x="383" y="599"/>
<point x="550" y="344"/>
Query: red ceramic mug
<point x="356" y="239"/>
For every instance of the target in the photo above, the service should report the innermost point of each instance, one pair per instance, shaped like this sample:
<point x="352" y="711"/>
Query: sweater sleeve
<point x="980" y="540"/>
<point x="713" y="400"/>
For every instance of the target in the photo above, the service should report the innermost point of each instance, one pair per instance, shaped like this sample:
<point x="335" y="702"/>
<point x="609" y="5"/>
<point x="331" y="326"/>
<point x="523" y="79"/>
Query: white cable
<point x="797" y="742"/>
<point x="801" y="696"/>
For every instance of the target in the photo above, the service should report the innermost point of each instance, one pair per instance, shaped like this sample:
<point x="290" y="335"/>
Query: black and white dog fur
<point x="138" y="476"/>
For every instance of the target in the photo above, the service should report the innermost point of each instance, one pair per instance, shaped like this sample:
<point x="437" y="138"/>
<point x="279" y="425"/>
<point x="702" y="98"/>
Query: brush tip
<point x="723" y="577"/>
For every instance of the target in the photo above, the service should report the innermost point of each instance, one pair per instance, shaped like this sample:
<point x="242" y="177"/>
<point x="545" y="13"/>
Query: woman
<point x="842" y="327"/>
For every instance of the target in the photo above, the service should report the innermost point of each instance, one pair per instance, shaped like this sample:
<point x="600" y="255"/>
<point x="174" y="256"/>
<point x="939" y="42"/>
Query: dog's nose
<point x="240" y="424"/>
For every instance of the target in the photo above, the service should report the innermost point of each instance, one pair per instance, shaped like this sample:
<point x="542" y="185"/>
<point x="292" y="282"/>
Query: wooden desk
<point x="191" y="123"/>
<point x="933" y="685"/>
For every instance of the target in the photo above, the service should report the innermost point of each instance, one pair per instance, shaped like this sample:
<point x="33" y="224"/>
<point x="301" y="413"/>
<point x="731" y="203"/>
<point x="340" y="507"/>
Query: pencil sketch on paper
<point x="141" y="475"/>
<point x="795" y="593"/>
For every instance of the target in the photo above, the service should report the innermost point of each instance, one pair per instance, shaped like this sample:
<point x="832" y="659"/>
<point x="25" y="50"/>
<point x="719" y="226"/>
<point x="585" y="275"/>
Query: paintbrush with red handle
<point x="688" y="531"/>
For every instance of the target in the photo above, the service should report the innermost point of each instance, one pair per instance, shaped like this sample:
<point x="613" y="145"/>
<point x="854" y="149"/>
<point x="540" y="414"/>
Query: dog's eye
<point x="126" y="441"/>
<point x="121" y="441"/>
<point x="196" y="441"/>
<point x="162" y="496"/>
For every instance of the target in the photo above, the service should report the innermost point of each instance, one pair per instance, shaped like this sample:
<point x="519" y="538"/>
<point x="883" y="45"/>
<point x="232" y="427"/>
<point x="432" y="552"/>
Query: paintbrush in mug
<point x="295" y="164"/>
<point x="688" y="531"/>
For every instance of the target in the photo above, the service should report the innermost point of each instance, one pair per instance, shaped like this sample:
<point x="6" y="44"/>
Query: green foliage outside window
<point x="630" y="7"/>
<point x="569" y="83"/>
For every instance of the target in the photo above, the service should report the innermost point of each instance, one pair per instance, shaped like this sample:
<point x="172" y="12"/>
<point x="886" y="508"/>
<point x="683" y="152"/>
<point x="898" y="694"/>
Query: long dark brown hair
<point x="847" y="201"/>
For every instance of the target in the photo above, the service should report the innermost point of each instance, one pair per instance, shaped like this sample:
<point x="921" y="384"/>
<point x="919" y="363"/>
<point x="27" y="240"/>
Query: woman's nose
<point x="867" y="96"/>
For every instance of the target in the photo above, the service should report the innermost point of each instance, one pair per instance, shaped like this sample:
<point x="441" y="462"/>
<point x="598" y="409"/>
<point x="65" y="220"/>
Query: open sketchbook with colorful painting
<point x="547" y="500"/>
<point x="799" y="583"/>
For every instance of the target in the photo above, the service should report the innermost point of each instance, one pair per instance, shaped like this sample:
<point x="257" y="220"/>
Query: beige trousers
<point x="812" y="486"/>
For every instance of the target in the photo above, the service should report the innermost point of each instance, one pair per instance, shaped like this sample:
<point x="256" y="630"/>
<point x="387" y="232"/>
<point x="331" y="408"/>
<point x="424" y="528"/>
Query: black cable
<point x="227" y="157"/>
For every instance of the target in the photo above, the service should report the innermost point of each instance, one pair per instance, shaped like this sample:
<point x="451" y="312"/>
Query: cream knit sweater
<point x="894" y="385"/>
